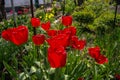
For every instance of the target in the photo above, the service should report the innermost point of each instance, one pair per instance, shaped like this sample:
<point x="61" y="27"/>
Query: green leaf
<point x="33" y="69"/>
<point x="10" y="70"/>
<point x="23" y="76"/>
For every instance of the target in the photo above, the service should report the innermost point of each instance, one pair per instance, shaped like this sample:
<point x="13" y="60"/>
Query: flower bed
<point x="80" y="46"/>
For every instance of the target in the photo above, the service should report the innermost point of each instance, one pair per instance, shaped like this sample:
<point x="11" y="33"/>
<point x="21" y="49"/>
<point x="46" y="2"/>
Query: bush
<point x="84" y="17"/>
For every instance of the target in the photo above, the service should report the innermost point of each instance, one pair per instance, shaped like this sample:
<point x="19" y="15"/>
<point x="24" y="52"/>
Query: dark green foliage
<point x="84" y="17"/>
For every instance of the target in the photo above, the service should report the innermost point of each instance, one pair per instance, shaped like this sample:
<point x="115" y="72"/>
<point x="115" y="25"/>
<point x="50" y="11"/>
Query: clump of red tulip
<point x="58" y="41"/>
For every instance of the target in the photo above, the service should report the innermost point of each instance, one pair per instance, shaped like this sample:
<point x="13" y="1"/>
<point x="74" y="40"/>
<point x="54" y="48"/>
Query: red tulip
<point x="6" y="34"/>
<point x="80" y="78"/>
<point x="78" y="44"/>
<point x="35" y="22"/>
<point x="52" y="32"/>
<point x="46" y="26"/>
<point x="20" y="12"/>
<point x="70" y="31"/>
<point x="117" y="76"/>
<point x="67" y="20"/>
<point x="57" y="57"/>
<point x="74" y="39"/>
<point x="101" y="59"/>
<point x="17" y="35"/>
<point x="26" y="10"/>
<point x="94" y="52"/>
<point x="11" y="12"/>
<point x="58" y="40"/>
<point x="38" y="39"/>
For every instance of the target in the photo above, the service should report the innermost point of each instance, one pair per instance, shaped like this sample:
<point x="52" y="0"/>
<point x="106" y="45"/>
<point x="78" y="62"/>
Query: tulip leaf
<point x="10" y="69"/>
<point x="23" y="76"/>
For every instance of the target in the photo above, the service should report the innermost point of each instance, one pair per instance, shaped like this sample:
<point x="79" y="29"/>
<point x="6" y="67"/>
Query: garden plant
<point x="81" y="44"/>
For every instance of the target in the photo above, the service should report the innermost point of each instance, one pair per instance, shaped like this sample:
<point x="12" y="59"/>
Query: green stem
<point x="95" y="72"/>
<point x="57" y="73"/>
